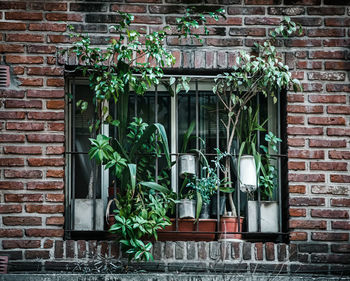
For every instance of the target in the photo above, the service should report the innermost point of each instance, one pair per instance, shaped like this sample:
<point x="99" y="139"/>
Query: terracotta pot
<point x="230" y="224"/>
<point x="187" y="230"/>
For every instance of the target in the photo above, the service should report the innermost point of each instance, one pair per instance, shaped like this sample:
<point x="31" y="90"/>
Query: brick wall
<point x="32" y="125"/>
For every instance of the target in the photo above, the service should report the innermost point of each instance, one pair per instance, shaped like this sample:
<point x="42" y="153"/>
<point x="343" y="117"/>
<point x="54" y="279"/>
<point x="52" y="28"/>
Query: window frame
<point x="70" y="233"/>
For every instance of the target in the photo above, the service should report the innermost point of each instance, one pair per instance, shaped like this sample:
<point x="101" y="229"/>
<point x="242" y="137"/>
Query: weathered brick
<point x="25" y="126"/>
<point x="298" y="236"/>
<point x="46" y="115"/>
<point x="26" y="221"/>
<point x="50" y="138"/>
<point x="22" y="150"/>
<point x="24" y="198"/>
<point x="11" y="233"/>
<point x="338" y="109"/>
<point x="329" y="236"/>
<point x="305" y="130"/>
<point x="304" y="201"/>
<point x="307" y="224"/>
<point x="37" y="254"/>
<point x="327" y="143"/>
<point x="45" y="93"/>
<point x="55" y="150"/>
<point x="11" y="138"/>
<point x="335" y="190"/>
<point x="306" y="154"/>
<point x="54" y="197"/>
<point x="26" y="174"/>
<point x="55" y="221"/>
<point x="10" y="208"/>
<point x="41" y="49"/>
<point x="23" y="16"/>
<point x="340" y="178"/>
<point x="327" y="98"/>
<point x="11" y="185"/>
<point x="38" y="162"/>
<point x="334" y="154"/>
<point x="44" y="209"/>
<point x="11" y="162"/>
<point x="332" y="214"/>
<point x="25" y="38"/>
<point x="14" y="59"/>
<point x="24" y="244"/>
<point x="345" y="225"/>
<point x="328" y="166"/>
<point x="297" y="189"/>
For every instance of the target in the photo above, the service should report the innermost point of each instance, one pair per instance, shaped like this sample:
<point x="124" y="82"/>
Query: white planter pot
<point x="268" y="216"/>
<point x="187" y="165"/>
<point x="83" y="214"/>
<point x="187" y="208"/>
<point x="247" y="174"/>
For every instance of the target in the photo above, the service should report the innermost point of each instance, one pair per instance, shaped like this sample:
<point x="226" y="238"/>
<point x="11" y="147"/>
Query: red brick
<point x="22" y="150"/>
<point x="31" y="254"/>
<point x="327" y="98"/>
<point x="21" y="221"/>
<point x="308" y="21"/>
<point x="338" y="88"/>
<point x="340" y="248"/>
<point x="306" y="177"/>
<point x="304" y="201"/>
<point x="24" y="59"/>
<point x="23" y="104"/>
<point x="44" y="232"/>
<point x="11" y="138"/>
<point x="308" y="224"/>
<point x="338" y="132"/>
<point x="310" y="65"/>
<point x="55" y="82"/>
<point x="12" y="5"/>
<point x="55" y="221"/>
<point x="25" y="126"/>
<point x="221" y="42"/>
<point x="10" y="208"/>
<point x="331" y="214"/>
<point x="228" y="21"/>
<point x="297" y="189"/>
<point x="12" y="26"/>
<point x="26" y="174"/>
<point x="339" y="154"/>
<point x="296" y="142"/>
<point x="155" y="9"/>
<point x="261" y="21"/>
<point x="45" y="71"/>
<point x="325" y="11"/>
<point x="298" y="236"/>
<point x="55" y="6"/>
<point x="46" y="115"/>
<point x="341" y="225"/>
<point x="336" y="21"/>
<point x="11" y="48"/>
<point x="303" y="43"/>
<point x="23" y="16"/>
<point x="326" y="32"/>
<point x="45" y="138"/>
<point x="55" y="150"/>
<point x="45" y="94"/>
<point x="24" y="244"/>
<point x="51" y="60"/>
<point x="64" y="17"/>
<point x="327" y="143"/>
<point x="329" y="236"/>
<point x="56" y="127"/>
<point x="25" y="38"/>
<point x="11" y="233"/>
<point x="24" y="198"/>
<point x="329" y="166"/>
<point x="326" y="54"/>
<point x="18" y="70"/>
<point x="38" y="162"/>
<point x="296" y="165"/>
<point x="46" y="185"/>
<point x="336" y="42"/>
<point x="295" y="119"/>
<point x="297" y="212"/>
<point x="306" y="154"/>
<point x="41" y="49"/>
<point x="342" y="202"/>
<point x="340" y="178"/>
<point x="304" y="109"/>
<point x="11" y="185"/>
<point x="54" y="197"/>
<point x="45" y="209"/>
<point x="257" y="32"/>
<point x="11" y="162"/>
<point x="338" y="109"/>
<point x="55" y="173"/>
<point x="337" y="65"/>
<point x="48" y="244"/>
<point x="31" y="81"/>
<point x="305" y="131"/>
<point x="270" y="251"/>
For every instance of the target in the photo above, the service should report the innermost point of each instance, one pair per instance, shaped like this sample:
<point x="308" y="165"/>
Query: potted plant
<point x="187" y="160"/>
<point x="268" y="207"/>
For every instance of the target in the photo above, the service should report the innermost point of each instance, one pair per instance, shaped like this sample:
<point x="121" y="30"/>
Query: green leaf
<point x="155" y="186"/>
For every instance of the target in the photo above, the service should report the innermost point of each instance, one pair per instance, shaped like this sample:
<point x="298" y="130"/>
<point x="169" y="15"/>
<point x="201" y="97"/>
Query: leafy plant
<point x="263" y="73"/>
<point x="268" y="170"/>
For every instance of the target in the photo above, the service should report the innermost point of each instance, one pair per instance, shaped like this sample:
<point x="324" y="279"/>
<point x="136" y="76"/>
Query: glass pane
<point x="87" y="176"/>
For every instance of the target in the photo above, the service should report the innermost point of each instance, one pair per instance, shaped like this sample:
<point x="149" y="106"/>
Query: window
<point x="90" y="186"/>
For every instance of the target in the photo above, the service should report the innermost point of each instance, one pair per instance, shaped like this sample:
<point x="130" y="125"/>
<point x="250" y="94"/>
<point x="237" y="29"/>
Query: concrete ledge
<point x="165" y="277"/>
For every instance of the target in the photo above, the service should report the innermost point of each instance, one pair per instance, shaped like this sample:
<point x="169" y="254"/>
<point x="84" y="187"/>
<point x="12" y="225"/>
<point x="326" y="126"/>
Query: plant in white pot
<point x="268" y="207"/>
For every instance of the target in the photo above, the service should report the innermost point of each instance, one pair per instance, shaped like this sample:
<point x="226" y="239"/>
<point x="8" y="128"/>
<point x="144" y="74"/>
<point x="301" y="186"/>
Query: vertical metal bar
<point x="217" y="169"/>
<point x="279" y="167"/>
<point x="115" y="136"/>
<point x="73" y="158"/>
<point x="94" y="181"/>
<point x="197" y="138"/>
<point x="259" y="195"/>
<point x="238" y="190"/>
<point x="156" y="121"/>
<point x="175" y="106"/>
